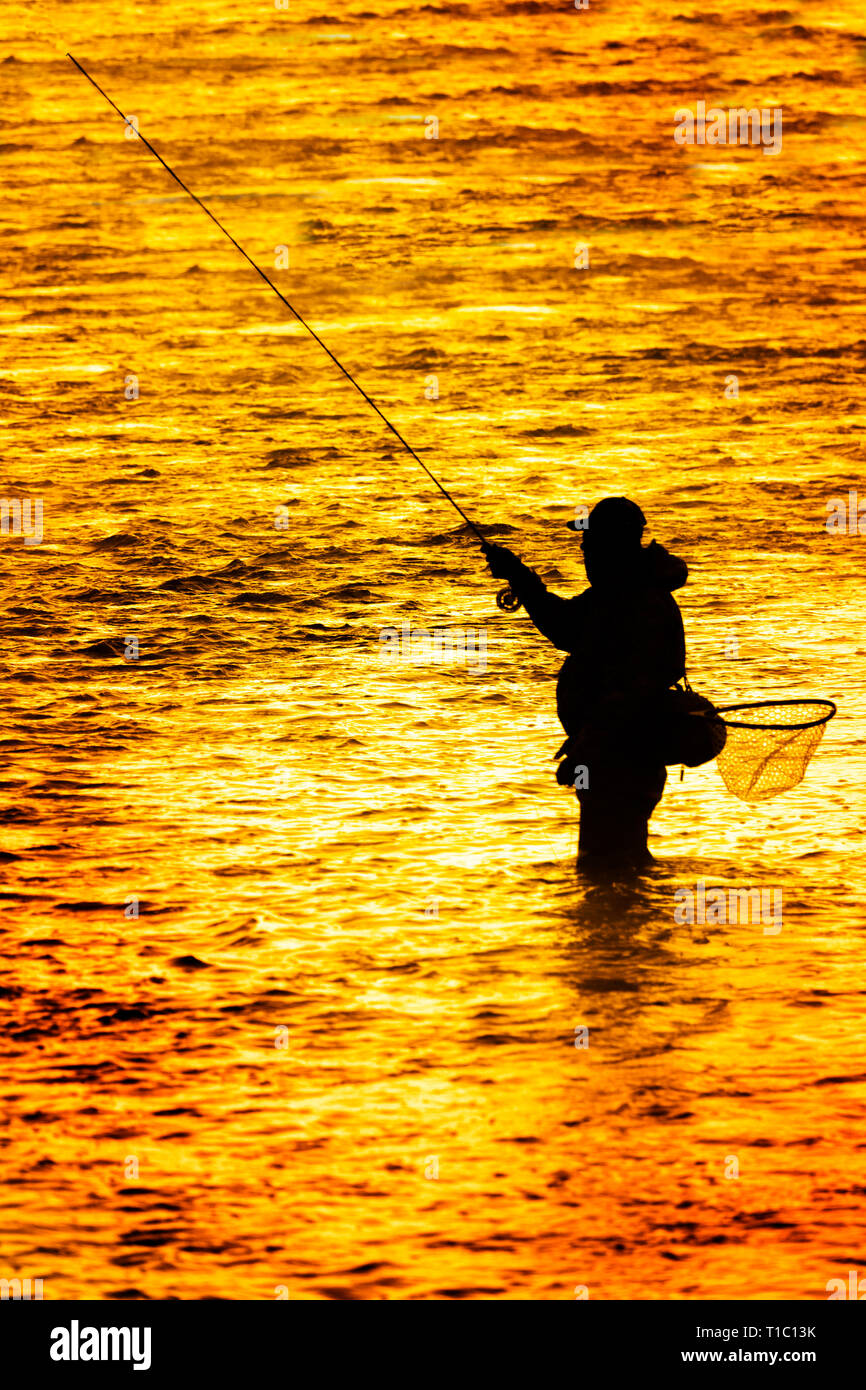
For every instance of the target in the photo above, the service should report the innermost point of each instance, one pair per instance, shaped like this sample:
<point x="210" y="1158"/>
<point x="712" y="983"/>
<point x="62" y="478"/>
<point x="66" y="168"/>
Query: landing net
<point x="769" y="745"/>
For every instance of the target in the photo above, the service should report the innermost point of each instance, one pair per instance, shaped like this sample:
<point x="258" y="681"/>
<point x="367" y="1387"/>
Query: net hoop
<point x="774" y="704"/>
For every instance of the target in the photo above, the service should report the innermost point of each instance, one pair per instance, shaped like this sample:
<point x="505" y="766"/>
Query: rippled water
<point x="333" y="1052"/>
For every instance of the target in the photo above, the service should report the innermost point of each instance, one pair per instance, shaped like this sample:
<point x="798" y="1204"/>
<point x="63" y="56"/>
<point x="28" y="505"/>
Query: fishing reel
<point x="507" y="600"/>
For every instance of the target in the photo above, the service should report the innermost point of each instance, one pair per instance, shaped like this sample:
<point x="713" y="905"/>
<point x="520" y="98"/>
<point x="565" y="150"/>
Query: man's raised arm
<point x="552" y="615"/>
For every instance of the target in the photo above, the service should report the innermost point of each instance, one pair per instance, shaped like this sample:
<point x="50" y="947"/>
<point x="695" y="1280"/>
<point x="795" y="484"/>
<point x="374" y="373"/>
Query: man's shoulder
<point x="655" y="596"/>
<point x="658" y="606"/>
<point x="662" y="569"/>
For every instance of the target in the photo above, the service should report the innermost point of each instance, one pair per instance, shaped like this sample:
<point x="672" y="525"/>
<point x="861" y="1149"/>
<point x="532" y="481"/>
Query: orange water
<point x="333" y="1054"/>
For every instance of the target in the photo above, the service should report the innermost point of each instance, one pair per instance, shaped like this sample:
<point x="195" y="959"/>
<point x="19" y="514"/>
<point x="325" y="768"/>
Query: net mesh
<point x="769" y="745"/>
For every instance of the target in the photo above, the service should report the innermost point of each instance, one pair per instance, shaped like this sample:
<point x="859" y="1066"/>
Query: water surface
<point x="333" y="1053"/>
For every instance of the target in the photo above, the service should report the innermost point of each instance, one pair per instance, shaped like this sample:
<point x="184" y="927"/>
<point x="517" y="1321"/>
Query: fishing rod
<point x="506" y="599"/>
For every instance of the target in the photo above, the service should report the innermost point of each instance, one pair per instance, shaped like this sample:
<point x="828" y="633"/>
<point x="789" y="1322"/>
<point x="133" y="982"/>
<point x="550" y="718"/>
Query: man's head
<point x="616" y="520"/>
<point x="611" y="537"/>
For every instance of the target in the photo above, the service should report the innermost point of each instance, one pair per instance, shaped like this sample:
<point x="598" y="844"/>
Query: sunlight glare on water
<point x="293" y="947"/>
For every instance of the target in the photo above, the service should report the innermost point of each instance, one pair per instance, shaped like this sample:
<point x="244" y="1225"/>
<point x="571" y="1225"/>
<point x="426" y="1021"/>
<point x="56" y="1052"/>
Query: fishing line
<point x="290" y="307"/>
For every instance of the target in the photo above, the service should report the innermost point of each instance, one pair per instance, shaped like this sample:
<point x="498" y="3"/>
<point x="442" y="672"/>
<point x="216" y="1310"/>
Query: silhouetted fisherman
<point x="624" y="636"/>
